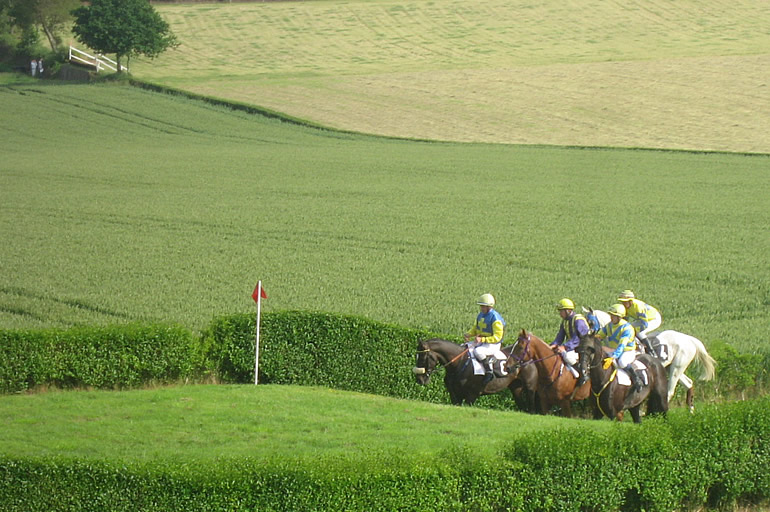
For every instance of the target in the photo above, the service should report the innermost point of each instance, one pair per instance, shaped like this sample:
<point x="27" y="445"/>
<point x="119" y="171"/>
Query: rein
<point x="595" y="363"/>
<point x="521" y="362"/>
<point x="451" y="361"/>
<point x="597" y="395"/>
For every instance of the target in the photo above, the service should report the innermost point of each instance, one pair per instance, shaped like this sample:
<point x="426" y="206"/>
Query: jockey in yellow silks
<point x="486" y="336"/>
<point x="619" y="336"/>
<point x="642" y="317"/>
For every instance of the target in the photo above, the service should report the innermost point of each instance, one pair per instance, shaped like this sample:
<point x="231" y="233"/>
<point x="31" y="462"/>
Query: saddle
<point x="498" y="367"/>
<point x="641" y="369"/>
<point x="660" y="350"/>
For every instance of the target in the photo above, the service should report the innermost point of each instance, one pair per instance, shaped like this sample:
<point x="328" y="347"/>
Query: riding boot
<point x="646" y="343"/>
<point x="490" y="374"/>
<point x="635" y="379"/>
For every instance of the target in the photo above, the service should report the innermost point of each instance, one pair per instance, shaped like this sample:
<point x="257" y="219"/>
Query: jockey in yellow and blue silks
<point x="619" y="336"/>
<point x="486" y="336"/>
<point x="642" y="317"/>
<point x="573" y="327"/>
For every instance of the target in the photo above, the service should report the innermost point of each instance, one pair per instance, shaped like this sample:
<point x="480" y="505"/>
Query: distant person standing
<point x="33" y="67"/>
<point x="40" y="67"/>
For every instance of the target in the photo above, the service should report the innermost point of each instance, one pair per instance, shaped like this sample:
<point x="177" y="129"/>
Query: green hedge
<point x="341" y="352"/>
<point x="105" y="357"/>
<point x="717" y="458"/>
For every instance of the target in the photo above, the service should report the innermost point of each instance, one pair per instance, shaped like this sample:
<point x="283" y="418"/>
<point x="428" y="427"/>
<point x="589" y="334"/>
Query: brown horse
<point x="556" y="384"/>
<point x="459" y="378"/>
<point x="611" y="397"/>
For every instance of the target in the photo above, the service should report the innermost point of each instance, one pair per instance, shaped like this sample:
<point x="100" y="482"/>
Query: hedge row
<point x="717" y="458"/>
<point x="343" y="352"/>
<point x="104" y="357"/>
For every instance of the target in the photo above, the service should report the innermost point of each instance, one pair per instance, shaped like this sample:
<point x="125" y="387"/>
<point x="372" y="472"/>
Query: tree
<point x="123" y="27"/>
<point x="50" y="15"/>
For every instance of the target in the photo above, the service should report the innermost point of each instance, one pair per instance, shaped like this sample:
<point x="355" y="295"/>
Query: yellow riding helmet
<point x="565" y="304"/>
<point x="626" y="295"/>
<point x="617" y="310"/>
<point x="486" y="300"/>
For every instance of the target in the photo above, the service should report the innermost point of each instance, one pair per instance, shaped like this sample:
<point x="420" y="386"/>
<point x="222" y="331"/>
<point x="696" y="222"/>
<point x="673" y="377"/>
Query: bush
<point x="319" y="349"/>
<point x="110" y="357"/>
<point x="738" y="372"/>
<point x="717" y="458"/>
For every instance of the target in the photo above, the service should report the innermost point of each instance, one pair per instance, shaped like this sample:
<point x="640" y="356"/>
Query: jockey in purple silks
<point x="573" y="326"/>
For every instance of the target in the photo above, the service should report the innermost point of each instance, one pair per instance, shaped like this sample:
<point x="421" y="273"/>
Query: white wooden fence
<point x="98" y="61"/>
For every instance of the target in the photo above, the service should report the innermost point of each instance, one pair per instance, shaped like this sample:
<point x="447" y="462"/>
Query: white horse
<point x="682" y="350"/>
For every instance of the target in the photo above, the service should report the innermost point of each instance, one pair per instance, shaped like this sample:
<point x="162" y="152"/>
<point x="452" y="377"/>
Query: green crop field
<point x="120" y="205"/>
<point x="689" y="74"/>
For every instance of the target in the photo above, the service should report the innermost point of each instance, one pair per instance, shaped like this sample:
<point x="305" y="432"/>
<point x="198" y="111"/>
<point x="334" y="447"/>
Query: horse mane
<point x="440" y="342"/>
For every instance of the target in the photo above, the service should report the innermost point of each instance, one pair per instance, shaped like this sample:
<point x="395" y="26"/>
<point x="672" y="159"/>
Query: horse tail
<point x="705" y="362"/>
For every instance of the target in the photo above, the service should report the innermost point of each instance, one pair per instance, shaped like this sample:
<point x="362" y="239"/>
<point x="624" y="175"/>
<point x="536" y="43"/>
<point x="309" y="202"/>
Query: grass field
<point x="643" y="73"/>
<point x="210" y="423"/>
<point x="120" y="205"/>
<point x="124" y="205"/>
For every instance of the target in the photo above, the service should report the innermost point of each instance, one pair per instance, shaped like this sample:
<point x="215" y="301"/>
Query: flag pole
<point x="256" y="354"/>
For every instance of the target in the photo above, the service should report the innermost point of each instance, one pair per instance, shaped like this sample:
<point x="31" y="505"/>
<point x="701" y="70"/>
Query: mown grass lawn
<point x="209" y="423"/>
<point x="644" y="73"/>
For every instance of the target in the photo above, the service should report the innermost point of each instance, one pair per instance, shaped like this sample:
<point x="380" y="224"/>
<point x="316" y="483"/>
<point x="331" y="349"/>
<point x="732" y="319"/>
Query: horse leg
<point x="689" y="401"/>
<point x="675" y="373"/>
<point x="635" y="414"/>
<point x="545" y="404"/>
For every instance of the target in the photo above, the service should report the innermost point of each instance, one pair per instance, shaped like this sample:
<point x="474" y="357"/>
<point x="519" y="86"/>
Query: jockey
<point x="620" y="336"/>
<point x="486" y="336"/>
<point x="642" y="317"/>
<point x="573" y="327"/>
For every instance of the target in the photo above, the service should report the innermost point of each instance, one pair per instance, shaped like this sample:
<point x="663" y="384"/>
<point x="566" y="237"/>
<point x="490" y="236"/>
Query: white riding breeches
<point x="571" y="357"/>
<point x="627" y="358"/>
<point x="654" y="324"/>
<point x="483" y="350"/>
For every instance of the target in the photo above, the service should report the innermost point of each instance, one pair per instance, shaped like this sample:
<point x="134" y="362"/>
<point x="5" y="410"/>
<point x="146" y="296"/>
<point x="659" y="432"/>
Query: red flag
<point x="258" y="290"/>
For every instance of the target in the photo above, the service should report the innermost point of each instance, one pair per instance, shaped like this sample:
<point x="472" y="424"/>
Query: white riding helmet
<point x="626" y="295"/>
<point x="486" y="300"/>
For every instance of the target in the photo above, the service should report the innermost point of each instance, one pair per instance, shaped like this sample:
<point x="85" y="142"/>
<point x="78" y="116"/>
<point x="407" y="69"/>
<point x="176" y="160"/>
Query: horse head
<point x="595" y="318"/>
<point x="520" y="350"/>
<point x="587" y="352"/>
<point x="426" y="363"/>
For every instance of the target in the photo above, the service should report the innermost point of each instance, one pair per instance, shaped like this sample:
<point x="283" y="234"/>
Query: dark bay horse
<point x="556" y="384"/>
<point x="459" y="378"/>
<point x="611" y="397"/>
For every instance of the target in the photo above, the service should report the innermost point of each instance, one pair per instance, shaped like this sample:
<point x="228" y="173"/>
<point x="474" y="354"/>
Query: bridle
<point x="522" y="360"/>
<point x="595" y="364"/>
<point x="422" y="370"/>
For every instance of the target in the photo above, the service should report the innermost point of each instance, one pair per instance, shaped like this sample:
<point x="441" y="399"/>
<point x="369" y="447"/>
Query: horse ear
<point x="523" y="332"/>
<point x="585" y="310"/>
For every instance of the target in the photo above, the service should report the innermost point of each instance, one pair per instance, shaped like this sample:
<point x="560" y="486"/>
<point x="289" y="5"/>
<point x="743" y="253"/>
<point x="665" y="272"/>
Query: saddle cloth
<point x="480" y="369"/>
<point x="661" y="349"/>
<point x="625" y="380"/>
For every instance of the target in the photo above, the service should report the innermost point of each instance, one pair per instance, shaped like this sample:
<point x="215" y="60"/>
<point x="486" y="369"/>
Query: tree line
<point x="124" y="28"/>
